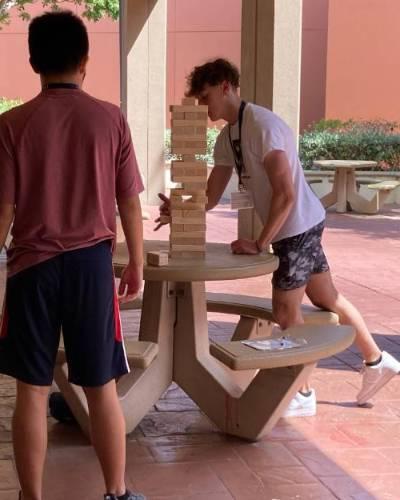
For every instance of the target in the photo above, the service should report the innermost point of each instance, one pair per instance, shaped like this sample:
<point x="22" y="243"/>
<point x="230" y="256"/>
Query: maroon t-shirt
<point x="64" y="159"/>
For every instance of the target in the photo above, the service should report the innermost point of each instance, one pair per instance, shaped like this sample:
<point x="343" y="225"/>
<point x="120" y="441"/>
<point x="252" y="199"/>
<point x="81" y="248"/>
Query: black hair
<point x="58" y="42"/>
<point x="212" y="73"/>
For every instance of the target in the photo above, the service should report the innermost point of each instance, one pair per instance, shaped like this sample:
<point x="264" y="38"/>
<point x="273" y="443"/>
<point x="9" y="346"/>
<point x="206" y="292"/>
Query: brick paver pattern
<point x="176" y="453"/>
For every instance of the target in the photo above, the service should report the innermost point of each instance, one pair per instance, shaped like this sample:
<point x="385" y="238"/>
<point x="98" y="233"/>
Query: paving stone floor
<point x="176" y="453"/>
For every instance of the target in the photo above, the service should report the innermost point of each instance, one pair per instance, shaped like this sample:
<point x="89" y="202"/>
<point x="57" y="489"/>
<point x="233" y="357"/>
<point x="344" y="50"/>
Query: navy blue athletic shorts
<point x="73" y="292"/>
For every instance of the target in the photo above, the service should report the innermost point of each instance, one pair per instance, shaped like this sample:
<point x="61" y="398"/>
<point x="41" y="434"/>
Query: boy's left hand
<point x="246" y="247"/>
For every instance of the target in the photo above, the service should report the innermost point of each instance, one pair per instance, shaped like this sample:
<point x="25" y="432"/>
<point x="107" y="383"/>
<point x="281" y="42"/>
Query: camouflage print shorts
<point x="300" y="256"/>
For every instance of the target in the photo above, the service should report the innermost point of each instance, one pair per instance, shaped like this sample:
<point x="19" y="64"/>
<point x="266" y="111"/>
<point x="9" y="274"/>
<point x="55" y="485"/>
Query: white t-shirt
<point x="262" y="132"/>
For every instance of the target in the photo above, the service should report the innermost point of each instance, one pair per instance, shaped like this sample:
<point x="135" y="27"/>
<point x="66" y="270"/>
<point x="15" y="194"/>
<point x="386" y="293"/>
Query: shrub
<point x="212" y="134"/>
<point x="6" y="104"/>
<point x="368" y="140"/>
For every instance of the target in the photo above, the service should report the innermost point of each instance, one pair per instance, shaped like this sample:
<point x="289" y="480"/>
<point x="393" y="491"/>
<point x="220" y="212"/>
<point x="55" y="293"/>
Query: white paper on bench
<point x="277" y="344"/>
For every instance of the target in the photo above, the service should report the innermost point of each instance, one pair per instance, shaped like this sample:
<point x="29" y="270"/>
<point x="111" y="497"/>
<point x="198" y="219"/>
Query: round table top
<point x="219" y="264"/>
<point x="344" y="164"/>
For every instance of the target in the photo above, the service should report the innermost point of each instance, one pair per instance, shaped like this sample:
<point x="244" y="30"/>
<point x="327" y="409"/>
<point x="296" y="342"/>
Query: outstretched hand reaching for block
<point x="165" y="212"/>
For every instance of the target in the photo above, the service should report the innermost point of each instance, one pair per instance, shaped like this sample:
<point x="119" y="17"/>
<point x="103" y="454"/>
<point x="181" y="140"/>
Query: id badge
<point x="241" y="199"/>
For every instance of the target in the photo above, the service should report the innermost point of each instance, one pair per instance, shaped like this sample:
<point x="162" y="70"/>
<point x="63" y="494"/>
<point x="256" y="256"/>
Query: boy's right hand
<point x="165" y="210"/>
<point x="131" y="283"/>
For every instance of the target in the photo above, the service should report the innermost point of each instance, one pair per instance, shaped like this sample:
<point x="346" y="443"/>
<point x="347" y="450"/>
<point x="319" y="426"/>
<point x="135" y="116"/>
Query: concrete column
<point x="143" y="86"/>
<point x="270" y="68"/>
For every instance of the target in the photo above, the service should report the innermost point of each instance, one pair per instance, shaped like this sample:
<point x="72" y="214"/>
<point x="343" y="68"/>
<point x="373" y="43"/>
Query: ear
<point x="83" y="64"/>
<point x="225" y="87"/>
<point x="33" y="66"/>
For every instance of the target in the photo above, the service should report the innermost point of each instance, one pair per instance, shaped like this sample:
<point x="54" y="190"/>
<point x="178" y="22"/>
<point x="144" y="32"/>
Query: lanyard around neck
<point x="237" y="147"/>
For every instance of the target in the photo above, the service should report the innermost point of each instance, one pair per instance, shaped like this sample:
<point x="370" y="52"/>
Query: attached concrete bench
<point x="382" y="190"/>
<point x="255" y="313"/>
<point x="140" y="356"/>
<point x="275" y="377"/>
<point x="322" y="341"/>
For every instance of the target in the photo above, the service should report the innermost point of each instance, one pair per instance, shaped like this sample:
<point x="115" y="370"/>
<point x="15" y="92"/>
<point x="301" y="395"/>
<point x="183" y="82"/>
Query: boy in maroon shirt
<point x="65" y="158"/>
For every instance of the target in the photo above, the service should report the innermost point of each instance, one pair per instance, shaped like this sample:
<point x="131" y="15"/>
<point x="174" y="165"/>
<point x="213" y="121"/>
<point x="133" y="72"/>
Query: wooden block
<point x="175" y="240"/>
<point x="188" y="255"/>
<point x="187" y="137"/>
<point x="188" y="248"/>
<point x="188" y="157"/>
<point x="191" y="178"/>
<point x="198" y="197"/>
<point x="182" y="122"/>
<point x="193" y="142"/>
<point x="176" y="192"/>
<point x="185" y="130"/>
<point x="187" y="142"/>
<point x="177" y="115"/>
<point x="187" y="234"/>
<point x="197" y="185"/>
<point x="177" y="131"/>
<point x="189" y="220"/>
<point x="189" y="109"/>
<point x="178" y="150"/>
<point x="157" y="258"/>
<point x="176" y="213"/>
<point x="165" y="219"/>
<point x="194" y="227"/>
<point x="177" y="171"/>
<point x="189" y="101"/>
<point x="177" y="228"/>
<point x="203" y="115"/>
<point x="191" y="116"/>
<point x="189" y="164"/>
<point x="186" y="205"/>
<point x="194" y="213"/>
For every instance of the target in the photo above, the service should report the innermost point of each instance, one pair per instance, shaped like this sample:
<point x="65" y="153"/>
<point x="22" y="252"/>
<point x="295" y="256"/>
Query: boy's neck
<point x="232" y="109"/>
<point x="75" y="79"/>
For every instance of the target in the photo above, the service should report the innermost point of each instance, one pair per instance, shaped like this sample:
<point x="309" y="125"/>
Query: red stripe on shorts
<point x="117" y="319"/>
<point x="4" y="321"/>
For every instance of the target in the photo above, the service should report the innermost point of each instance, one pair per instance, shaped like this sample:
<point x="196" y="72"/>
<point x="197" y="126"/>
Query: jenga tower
<point x="188" y="203"/>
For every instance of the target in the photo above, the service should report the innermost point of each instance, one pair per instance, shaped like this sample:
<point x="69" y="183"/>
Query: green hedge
<point x="335" y="140"/>
<point x="6" y="104"/>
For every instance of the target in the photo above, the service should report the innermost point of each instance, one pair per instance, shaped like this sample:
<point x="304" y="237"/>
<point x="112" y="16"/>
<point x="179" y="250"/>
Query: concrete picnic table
<point x="344" y="184"/>
<point x="244" y="392"/>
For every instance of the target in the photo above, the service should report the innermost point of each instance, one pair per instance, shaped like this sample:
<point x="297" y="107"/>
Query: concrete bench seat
<point x="140" y="356"/>
<point x="322" y="341"/>
<point x="384" y="185"/>
<point x="261" y="307"/>
<point x="382" y="191"/>
<point x="255" y="313"/>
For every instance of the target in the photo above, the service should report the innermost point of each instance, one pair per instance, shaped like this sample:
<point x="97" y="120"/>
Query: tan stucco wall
<point x="313" y="64"/>
<point x="363" y="59"/>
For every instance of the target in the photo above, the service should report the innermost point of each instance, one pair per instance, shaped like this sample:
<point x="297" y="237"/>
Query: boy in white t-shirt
<point x="262" y="148"/>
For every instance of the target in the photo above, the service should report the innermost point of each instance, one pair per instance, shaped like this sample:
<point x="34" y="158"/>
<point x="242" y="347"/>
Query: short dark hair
<point x="212" y="73"/>
<point x="58" y="42"/>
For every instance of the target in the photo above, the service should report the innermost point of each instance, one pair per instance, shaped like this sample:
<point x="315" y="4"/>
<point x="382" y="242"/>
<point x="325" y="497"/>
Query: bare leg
<point x="286" y="307"/>
<point x="107" y="425"/>
<point x="30" y="437"/>
<point x="322" y="293"/>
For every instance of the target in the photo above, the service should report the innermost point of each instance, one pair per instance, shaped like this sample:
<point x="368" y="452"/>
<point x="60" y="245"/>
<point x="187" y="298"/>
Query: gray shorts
<point x="300" y="256"/>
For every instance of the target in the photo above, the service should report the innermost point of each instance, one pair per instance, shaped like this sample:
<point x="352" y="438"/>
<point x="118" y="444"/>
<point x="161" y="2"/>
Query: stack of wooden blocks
<point x="188" y="203"/>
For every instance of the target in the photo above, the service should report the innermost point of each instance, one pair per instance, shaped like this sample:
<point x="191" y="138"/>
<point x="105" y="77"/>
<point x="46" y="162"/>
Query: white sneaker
<point x="302" y="406"/>
<point x="375" y="377"/>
